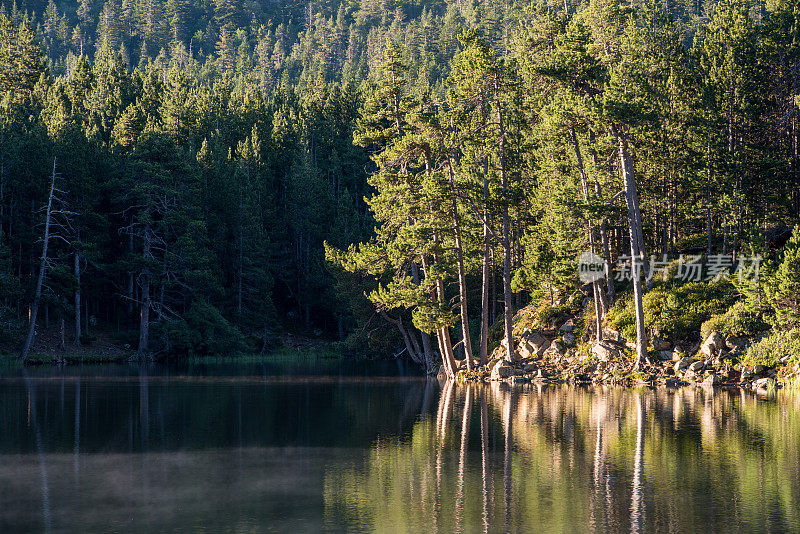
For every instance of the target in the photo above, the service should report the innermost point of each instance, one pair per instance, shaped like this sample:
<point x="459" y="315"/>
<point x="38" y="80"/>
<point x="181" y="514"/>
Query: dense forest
<point x="197" y="177"/>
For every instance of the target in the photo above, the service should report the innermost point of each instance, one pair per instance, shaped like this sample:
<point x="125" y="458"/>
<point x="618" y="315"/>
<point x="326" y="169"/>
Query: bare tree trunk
<point x="144" y="306"/>
<point x="78" y="299"/>
<point x="637" y="251"/>
<point x="486" y="248"/>
<point x="506" y="244"/>
<point x="462" y="278"/>
<point x="42" y="271"/>
<point x="599" y="310"/>
<point x="426" y="338"/>
<point x="62" y="331"/>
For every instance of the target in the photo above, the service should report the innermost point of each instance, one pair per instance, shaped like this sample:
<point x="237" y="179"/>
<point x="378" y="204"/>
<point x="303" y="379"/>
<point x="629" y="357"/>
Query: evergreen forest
<point x="189" y="177"/>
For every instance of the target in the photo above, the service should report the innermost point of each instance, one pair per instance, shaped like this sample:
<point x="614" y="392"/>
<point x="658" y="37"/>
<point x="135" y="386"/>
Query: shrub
<point x="673" y="310"/>
<point x="738" y="321"/>
<point x="773" y="348"/>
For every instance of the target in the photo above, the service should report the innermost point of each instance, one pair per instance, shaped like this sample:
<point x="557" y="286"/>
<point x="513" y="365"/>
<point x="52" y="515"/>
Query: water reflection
<point x="582" y="459"/>
<point x="251" y="453"/>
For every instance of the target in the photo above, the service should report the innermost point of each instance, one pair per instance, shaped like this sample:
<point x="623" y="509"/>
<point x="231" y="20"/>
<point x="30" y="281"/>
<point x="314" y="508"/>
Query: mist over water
<point x="157" y="449"/>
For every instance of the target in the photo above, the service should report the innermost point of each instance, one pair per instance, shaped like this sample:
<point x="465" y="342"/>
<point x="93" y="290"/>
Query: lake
<point x="323" y="446"/>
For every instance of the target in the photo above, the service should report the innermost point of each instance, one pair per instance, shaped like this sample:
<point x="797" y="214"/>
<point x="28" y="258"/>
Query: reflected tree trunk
<point x="37" y="430"/>
<point x="462" y="456"/>
<point x="637" y="508"/>
<point x="485" y="460"/>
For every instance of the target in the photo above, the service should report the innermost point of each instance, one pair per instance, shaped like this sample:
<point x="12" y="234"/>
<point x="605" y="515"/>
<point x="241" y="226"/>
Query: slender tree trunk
<point x="42" y="271"/>
<point x="144" y="307"/>
<point x="637" y="253"/>
<point x="599" y="310"/>
<point x="506" y="244"/>
<point x="462" y="278"/>
<point x="426" y="338"/>
<point x="485" y="270"/>
<point x="78" y="299"/>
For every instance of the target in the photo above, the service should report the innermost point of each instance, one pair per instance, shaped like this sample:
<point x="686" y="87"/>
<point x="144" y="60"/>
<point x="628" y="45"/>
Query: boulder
<point x="501" y="369"/>
<point x="604" y="351"/>
<point x="529" y="368"/>
<point x="682" y="364"/>
<point x="711" y="381"/>
<point x="712" y="345"/>
<point x="660" y="343"/>
<point x="665" y="355"/>
<point x="569" y="326"/>
<point x="697" y="366"/>
<point x="569" y="339"/>
<point x="556" y="348"/>
<point x="535" y="344"/>
<point x="735" y="342"/>
<point x="764" y="383"/>
<point x="612" y="335"/>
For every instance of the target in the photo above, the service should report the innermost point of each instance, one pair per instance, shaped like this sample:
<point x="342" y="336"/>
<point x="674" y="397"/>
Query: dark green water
<point x="251" y="449"/>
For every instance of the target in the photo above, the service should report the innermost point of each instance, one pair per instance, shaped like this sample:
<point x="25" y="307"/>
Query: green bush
<point x="738" y="321"/>
<point x="621" y="316"/>
<point x="773" y="348"/>
<point x="673" y="310"/>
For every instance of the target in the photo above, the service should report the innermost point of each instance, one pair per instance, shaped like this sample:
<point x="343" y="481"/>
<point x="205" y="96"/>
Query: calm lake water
<point x="276" y="446"/>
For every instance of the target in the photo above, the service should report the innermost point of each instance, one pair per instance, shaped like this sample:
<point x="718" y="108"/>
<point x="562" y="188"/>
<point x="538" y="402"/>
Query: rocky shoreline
<point x="554" y="356"/>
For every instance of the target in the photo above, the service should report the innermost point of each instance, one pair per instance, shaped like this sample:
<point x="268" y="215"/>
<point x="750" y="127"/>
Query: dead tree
<point x="45" y="262"/>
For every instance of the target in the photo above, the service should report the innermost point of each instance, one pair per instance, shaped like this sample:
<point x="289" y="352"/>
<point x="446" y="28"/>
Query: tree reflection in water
<point x="594" y="459"/>
<point x="143" y="452"/>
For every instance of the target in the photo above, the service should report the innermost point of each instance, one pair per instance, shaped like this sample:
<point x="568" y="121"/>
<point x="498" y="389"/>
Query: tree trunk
<point x="78" y="299"/>
<point x="486" y="259"/>
<point x="462" y="278"/>
<point x="426" y="338"/>
<point x="637" y="251"/>
<point x="144" y="306"/>
<point x="599" y="310"/>
<point x="42" y="271"/>
<point x="506" y="244"/>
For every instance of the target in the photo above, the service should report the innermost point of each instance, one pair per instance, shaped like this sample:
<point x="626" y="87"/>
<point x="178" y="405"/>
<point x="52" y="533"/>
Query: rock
<point x="604" y="351"/>
<point x="530" y="368"/>
<point x="735" y="342"/>
<point x="689" y="375"/>
<point x="665" y="355"/>
<point x="682" y="364"/>
<point x="734" y="375"/>
<point x="712" y="344"/>
<point x="556" y="348"/>
<point x="569" y="339"/>
<point x="613" y="335"/>
<point x="711" y="381"/>
<point x="764" y="383"/>
<point x="660" y="344"/>
<point x="518" y="380"/>
<point x="569" y="326"/>
<point x="501" y="370"/>
<point x="535" y="344"/>
<point x="697" y="366"/>
<point x="677" y="354"/>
